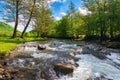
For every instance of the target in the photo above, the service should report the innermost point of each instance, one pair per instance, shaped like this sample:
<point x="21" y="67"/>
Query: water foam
<point x="100" y="66"/>
<point x="43" y="55"/>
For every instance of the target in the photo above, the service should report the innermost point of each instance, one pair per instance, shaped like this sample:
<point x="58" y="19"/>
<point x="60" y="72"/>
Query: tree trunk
<point x="112" y="20"/>
<point x="104" y="21"/>
<point x="111" y="32"/>
<point x="22" y="35"/>
<point x="16" y="21"/>
<point x="100" y="23"/>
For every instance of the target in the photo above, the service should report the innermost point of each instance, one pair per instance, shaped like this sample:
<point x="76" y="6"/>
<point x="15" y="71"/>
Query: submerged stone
<point x="63" y="68"/>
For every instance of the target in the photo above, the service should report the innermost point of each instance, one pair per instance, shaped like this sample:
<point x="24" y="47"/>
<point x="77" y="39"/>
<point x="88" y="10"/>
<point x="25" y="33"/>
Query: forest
<point x="101" y="22"/>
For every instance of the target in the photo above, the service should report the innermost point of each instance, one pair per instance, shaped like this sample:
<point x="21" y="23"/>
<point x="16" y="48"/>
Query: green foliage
<point x="104" y="20"/>
<point x="102" y="23"/>
<point x="30" y="34"/>
<point x="5" y="29"/>
<point x="43" y="20"/>
<point x="70" y="26"/>
<point x="62" y="27"/>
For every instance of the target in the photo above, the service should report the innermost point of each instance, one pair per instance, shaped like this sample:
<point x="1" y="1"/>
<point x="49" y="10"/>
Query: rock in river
<point x="63" y="68"/>
<point x="40" y="47"/>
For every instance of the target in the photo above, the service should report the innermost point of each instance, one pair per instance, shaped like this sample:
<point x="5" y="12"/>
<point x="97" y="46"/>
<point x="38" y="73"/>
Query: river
<point x="91" y="61"/>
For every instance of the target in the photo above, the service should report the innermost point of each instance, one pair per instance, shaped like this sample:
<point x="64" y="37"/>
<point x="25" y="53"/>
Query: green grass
<point x="6" y="47"/>
<point x="7" y="44"/>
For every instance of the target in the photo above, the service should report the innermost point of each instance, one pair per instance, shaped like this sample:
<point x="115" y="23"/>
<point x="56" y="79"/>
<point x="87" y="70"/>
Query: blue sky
<point x="59" y="8"/>
<point x="1" y="9"/>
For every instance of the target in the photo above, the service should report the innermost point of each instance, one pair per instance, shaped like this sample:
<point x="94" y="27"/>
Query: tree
<point x="43" y="19"/>
<point x="71" y="12"/>
<point x="16" y="20"/>
<point x="113" y="16"/>
<point x="62" y="27"/>
<point x="13" y="7"/>
<point x="29" y="18"/>
<point x="104" y="16"/>
<point x="71" y="9"/>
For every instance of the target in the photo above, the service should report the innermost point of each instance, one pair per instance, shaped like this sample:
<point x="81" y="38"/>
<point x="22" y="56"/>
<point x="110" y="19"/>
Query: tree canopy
<point x="101" y="23"/>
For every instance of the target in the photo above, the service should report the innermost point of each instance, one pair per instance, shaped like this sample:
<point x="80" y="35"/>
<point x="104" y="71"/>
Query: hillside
<point x="6" y="30"/>
<point x="5" y="27"/>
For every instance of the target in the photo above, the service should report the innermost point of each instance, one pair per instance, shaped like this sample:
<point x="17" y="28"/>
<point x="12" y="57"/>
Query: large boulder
<point x="41" y="47"/>
<point x="64" y="68"/>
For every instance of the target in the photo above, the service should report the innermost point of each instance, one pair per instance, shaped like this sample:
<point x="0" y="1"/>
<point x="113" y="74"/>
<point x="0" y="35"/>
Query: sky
<point x="59" y="8"/>
<point x="2" y="9"/>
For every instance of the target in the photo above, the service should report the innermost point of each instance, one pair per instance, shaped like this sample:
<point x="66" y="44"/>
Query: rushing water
<point x="57" y="51"/>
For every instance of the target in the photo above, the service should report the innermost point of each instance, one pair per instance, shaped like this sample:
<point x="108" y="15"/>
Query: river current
<point x="61" y="51"/>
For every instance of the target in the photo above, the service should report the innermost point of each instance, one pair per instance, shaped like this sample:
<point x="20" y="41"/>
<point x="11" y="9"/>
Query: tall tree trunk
<point x="16" y="20"/>
<point x="30" y="17"/>
<point x="111" y="32"/>
<point x="100" y="22"/>
<point x="112" y="20"/>
<point x="104" y="21"/>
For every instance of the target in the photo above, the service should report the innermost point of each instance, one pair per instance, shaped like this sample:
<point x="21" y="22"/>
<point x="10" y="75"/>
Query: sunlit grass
<point x="7" y="44"/>
<point x="6" y="47"/>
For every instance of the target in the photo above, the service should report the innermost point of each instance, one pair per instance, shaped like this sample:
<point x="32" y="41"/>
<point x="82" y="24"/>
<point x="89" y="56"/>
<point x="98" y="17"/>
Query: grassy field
<point x="7" y="44"/>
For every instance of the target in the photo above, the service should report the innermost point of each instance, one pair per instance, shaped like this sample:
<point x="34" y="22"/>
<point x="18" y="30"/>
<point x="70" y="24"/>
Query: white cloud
<point x="20" y="26"/>
<point x="52" y="1"/>
<point x="21" y="17"/>
<point x="63" y="13"/>
<point x="3" y="2"/>
<point x="3" y="21"/>
<point x="84" y="11"/>
<point x="57" y="18"/>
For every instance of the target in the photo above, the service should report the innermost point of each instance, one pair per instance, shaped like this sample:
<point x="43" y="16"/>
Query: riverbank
<point x="7" y="44"/>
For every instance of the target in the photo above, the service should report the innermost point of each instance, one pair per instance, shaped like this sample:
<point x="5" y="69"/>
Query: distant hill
<point x="5" y="29"/>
